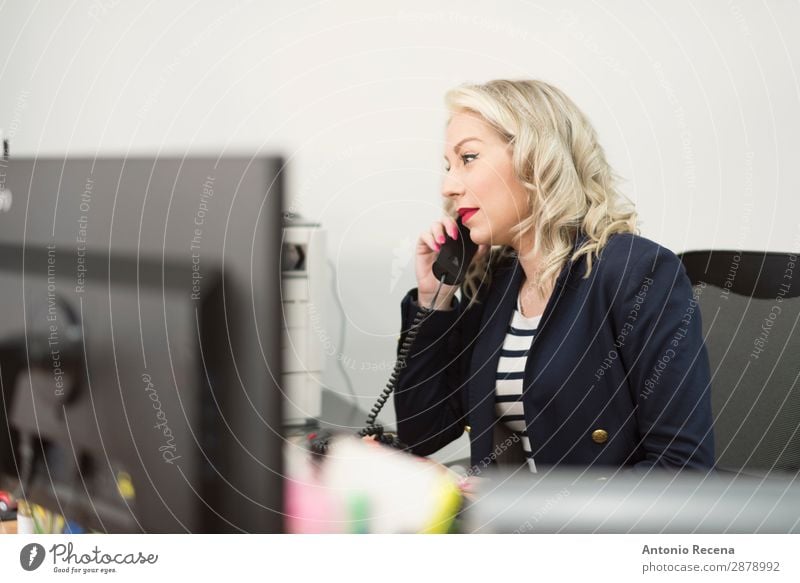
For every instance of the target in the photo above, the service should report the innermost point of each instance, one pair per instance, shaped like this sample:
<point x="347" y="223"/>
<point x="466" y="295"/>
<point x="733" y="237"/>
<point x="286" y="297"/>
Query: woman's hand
<point x="428" y="245"/>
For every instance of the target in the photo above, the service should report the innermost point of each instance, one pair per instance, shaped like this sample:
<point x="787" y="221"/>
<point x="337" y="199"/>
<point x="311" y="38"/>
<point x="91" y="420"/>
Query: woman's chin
<point x="479" y="237"/>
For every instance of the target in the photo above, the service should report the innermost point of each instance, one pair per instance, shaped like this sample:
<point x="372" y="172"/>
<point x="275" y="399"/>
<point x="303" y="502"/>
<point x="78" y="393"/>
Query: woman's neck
<point x="531" y="265"/>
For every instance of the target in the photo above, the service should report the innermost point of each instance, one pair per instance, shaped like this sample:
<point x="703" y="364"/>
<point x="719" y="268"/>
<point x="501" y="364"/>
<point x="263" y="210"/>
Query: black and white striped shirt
<point x="509" y="378"/>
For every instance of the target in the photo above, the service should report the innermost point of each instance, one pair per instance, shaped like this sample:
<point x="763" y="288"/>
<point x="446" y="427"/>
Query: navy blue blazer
<point x="617" y="374"/>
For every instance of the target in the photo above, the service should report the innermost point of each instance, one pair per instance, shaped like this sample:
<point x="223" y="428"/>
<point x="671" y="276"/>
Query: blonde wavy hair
<point x="557" y="157"/>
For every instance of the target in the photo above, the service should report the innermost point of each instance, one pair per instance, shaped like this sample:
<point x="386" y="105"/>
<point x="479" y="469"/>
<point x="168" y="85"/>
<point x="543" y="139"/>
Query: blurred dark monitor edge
<point x="140" y="341"/>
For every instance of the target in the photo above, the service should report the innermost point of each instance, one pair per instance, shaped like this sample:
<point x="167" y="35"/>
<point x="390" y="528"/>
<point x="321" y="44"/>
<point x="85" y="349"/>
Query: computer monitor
<point x="140" y="341"/>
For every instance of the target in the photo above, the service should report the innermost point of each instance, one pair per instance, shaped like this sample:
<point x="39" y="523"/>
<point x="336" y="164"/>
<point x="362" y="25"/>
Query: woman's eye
<point x="465" y="158"/>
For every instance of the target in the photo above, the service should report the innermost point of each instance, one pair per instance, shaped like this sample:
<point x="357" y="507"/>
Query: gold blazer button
<point x="599" y="435"/>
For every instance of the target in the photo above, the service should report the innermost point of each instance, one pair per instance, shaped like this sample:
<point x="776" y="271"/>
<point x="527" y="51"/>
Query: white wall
<point x="697" y="105"/>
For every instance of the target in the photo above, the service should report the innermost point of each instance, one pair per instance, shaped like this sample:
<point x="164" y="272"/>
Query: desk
<point x="8" y="527"/>
<point x="582" y="501"/>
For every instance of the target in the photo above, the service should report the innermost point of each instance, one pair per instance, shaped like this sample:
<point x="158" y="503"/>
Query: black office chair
<point x="750" y="306"/>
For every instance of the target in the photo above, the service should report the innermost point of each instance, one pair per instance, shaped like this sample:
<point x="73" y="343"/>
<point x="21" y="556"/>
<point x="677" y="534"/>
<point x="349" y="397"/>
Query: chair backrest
<point x="750" y="306"/>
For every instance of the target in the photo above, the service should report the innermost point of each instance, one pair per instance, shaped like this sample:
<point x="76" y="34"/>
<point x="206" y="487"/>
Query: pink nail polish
<point x="440" y="239"/>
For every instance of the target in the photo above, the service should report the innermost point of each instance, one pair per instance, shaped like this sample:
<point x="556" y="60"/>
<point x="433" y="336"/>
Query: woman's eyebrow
<point x="458" y="145"/>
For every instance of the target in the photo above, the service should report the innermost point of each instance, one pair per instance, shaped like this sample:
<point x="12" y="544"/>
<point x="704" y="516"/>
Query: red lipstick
<point x="466" y="213"/>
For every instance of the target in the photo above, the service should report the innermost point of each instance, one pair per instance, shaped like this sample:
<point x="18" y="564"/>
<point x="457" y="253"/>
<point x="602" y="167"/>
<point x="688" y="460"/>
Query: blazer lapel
<point x="500" y="305"/>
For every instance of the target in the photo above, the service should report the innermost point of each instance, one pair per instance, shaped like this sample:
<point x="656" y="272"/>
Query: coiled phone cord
<point x="377" y="430"/>
<point x="319" y="445"/>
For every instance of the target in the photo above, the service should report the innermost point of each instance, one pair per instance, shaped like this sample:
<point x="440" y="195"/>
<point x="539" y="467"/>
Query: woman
<point x="574" y="341"/>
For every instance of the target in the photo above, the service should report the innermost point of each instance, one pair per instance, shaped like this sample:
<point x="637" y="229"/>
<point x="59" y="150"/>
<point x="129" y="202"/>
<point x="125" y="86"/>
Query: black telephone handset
<point x="450" y="268"/>
<point x="455" y="256"/>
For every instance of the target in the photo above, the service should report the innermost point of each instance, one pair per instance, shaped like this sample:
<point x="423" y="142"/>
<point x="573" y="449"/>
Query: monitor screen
<point x="140" y="341"/>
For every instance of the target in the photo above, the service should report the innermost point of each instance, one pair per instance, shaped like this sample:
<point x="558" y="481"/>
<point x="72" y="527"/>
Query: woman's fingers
<point x="438" y="233"/>
<point x="451" y="226"/>
<point x="437" y="230"/>
<point x="427" y="238"/>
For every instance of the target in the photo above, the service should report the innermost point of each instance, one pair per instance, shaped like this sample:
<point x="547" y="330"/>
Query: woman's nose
<point x="452" y="185"/>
